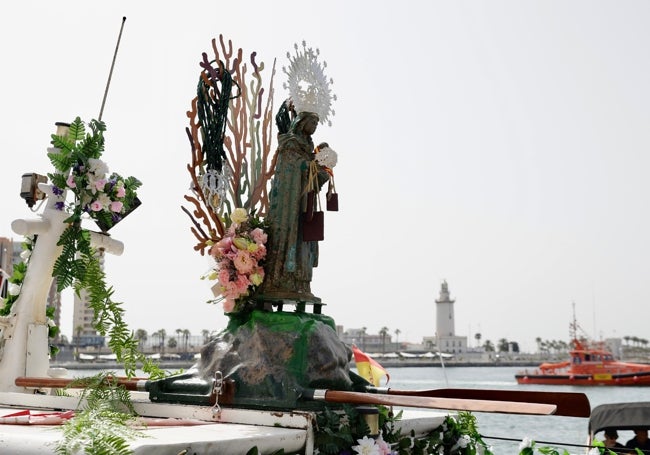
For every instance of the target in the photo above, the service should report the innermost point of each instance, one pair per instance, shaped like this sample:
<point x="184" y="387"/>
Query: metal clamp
<point x="216" y="391"/>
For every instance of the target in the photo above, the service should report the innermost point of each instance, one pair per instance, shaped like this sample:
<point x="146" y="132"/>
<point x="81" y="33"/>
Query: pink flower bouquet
<point x="239" y="257"/>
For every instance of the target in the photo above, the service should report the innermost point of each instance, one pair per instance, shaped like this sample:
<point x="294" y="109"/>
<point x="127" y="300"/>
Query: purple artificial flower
<point x="59" y="205"/>
<point x="56" y="190"/>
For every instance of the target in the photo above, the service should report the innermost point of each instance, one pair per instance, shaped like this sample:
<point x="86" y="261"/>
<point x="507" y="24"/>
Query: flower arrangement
<point x="239" y="257"/>
<point x="337" y="433"/>
<point x="106" y="198"/>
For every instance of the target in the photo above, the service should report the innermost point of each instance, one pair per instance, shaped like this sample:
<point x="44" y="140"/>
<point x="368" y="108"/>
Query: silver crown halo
<point x="309" y="87"/>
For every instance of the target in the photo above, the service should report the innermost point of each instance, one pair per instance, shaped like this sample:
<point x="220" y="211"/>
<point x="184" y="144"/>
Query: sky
<point x="501" y="146"/>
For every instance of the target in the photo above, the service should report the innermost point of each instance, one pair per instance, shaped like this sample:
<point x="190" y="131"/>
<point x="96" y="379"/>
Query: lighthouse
<point x="445" y="313"/>
<point x="446" y="339"/>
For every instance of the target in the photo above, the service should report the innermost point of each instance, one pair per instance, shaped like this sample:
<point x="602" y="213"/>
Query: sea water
<point x="504" y="432"/>
<point x="552" y="430"/>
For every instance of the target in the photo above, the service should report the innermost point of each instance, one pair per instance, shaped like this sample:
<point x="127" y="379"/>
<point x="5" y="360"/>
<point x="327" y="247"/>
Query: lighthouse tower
<point x="445" y="313"/>
<point x="446" y="338"/>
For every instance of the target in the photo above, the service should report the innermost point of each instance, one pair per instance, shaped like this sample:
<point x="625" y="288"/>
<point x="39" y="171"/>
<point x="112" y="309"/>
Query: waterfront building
<point x="367" y="342"/>
<point x="84" y="333"/>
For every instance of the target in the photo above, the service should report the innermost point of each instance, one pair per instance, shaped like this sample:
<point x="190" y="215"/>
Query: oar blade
<point x="570" y="404"/>
<point x="452" y="404"/>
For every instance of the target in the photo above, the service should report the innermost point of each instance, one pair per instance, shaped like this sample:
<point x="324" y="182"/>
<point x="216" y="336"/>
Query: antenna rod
<point x="110" y="74"/>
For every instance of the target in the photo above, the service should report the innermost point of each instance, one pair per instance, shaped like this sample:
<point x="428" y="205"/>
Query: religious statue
<point x="290" y="258"/>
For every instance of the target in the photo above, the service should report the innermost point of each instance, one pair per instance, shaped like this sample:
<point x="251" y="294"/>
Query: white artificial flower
<point x="25" y="254"/>
<point x="464" y="441"/>
<point x="526" y="442"/>
<point x="97" y="167"/>
<point x="366" y="446"/>
<point x="104" y="200"/>
<point x="13" y="289"/>
<point x="239" y="215"/>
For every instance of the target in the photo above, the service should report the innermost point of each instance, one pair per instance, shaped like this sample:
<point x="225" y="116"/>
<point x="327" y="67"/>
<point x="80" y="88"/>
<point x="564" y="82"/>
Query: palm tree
<point x="397" y="332"/>
<point x="382" y="333"/>
<point x="477" y="337"/>
<point x="78" y="329"/>
<point x="186" y="338"/>
<point x="179" y="332"/>
<point x="488" y="346"/>
<point x="141" y="336"/>
<point x="161" y="334"/>
<point x="172" y="343"/>
<point x="503" y="345"/>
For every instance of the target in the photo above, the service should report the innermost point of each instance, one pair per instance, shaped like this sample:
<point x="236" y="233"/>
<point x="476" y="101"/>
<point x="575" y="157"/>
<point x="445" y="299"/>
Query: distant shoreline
<point x="389" y="363"/>
<point x="166" y="365"/>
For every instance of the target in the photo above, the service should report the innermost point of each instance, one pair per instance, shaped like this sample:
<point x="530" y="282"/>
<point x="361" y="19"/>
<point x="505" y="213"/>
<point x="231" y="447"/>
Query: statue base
<point x="264" y="360"/>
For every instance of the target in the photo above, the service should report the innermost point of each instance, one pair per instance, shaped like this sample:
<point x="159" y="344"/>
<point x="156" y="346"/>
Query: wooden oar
<point x="477" y="400"/>
<point x="568" y="403"/>
<point x="456" y="404"/>
<point x="134" y="384"/>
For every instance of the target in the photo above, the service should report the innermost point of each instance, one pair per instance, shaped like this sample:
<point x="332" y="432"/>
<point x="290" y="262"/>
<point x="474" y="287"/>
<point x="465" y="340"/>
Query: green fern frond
<point x="60" y="161"/>
<point x="63" y="143"/>
<point x="97" y="126"/>
<point x="57" y="180"/>
<point x="103" y="426"/>
<point x="77" y="130"/>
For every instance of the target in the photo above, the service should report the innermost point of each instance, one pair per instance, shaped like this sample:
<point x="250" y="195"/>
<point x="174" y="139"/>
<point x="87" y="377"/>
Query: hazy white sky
<point x="502" y="146"/>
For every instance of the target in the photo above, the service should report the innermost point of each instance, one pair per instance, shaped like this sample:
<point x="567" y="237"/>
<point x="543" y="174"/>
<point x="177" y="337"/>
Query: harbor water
<point x="504" y="432"/>
<point x="553" y="430"/>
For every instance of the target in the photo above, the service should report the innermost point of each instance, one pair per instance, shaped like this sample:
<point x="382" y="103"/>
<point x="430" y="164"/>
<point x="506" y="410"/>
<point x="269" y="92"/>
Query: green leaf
<point x="77" y="130"/>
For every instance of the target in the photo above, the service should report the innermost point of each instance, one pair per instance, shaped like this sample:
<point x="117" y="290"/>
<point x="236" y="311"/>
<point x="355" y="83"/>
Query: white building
<point x="446" y="339"/>
<point x="84" y="333"/>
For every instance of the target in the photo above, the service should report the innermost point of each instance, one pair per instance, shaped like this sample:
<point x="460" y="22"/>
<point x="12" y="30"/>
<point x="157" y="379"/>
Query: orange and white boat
<point x="590" y="363"/>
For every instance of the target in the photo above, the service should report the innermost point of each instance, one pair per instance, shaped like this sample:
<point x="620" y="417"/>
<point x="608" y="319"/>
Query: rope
<point x="312" y="178"/>
<point x="553" y="443"/>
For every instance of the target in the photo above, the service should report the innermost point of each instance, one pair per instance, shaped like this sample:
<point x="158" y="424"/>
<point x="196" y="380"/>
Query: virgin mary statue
<point x="290" y="259"/>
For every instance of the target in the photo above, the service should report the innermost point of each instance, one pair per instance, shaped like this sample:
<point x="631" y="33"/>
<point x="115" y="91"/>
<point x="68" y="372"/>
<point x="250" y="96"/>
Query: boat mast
<point x="573" y="327"/>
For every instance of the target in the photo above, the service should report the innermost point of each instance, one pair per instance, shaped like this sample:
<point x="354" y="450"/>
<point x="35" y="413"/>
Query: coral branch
<point x="249" y="160"/>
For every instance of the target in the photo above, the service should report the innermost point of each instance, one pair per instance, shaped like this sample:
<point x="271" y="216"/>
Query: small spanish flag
<point x="368" y="368"/>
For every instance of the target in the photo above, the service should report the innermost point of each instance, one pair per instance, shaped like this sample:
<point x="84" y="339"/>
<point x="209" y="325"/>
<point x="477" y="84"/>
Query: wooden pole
<point x="110" y="73"/>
